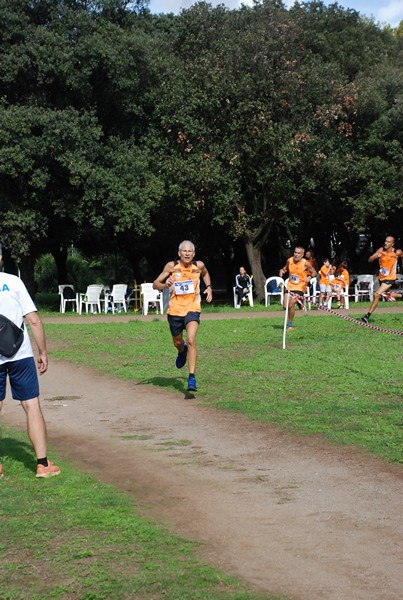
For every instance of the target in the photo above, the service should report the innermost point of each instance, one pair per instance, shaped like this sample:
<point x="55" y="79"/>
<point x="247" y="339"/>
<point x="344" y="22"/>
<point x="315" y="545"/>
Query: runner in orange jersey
<point x="300" y="273"/>
<point x="182" y="277"/>
<point x="388" y="258"/>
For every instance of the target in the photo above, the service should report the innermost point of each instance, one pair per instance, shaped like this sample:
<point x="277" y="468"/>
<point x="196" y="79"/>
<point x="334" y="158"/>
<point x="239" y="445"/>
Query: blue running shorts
<point x="23" y="379"/>
<point x="178" y="324"/>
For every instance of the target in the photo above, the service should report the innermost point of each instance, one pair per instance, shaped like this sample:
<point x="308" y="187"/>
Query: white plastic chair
<point x="151" y="296"/>
<point x="91" y="298"/>
<point x="116" y="298"/>
<point x="248" y="295"/>
<point x="364" y="288"/>
<point x="63" y="300"/>
<point x="280" y="285"/>
<point x="312" y="292"/>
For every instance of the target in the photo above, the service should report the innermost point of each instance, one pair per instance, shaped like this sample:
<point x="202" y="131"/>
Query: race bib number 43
<point x="184" y="287"/>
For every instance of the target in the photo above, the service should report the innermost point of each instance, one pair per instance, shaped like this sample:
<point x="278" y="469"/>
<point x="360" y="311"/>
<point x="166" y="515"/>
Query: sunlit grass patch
<point x="335" y="377"/>
<point x="74" y="537"/>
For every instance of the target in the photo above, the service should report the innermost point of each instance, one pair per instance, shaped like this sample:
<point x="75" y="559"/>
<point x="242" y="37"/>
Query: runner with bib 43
<point x="182" y="277"/>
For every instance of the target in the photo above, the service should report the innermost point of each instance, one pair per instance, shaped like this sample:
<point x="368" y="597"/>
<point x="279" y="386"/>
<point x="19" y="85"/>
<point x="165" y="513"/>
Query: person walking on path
<point x="300" y="273"/>
<point x="182" y="277"/>
<point x="388" y="258"/>
<point x="16" y="305"/>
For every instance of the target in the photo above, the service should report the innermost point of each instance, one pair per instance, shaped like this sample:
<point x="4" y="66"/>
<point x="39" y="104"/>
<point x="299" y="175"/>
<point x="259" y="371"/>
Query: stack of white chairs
<point x="116" y="299"/>
<point x="364" y="288"/>
<point x="91" y="299"/>
<point x="151" y="296"/>
<point x="64" y="299"/>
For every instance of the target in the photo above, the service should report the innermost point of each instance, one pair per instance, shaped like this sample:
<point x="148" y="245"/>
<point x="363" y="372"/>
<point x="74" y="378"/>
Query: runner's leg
<point x="178" y="342"/>
<point x="384" y="287"/>
<point x="191" y="331"/>
<point x="36" y="426"/>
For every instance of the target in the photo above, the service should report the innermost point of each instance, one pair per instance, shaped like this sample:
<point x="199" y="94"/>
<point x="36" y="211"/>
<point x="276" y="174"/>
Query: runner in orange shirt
<point x="182" y="277"/>
<point x="388" y="258"/>
<point x="300" y="273"/>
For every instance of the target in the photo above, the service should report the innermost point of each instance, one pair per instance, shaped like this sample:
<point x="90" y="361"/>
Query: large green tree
<point x="75" y="90"/>
<point x="258" y="122"/>
<point x="239" y="101"/>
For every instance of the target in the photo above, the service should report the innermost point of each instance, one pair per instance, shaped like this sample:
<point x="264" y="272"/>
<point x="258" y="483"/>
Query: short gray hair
<point x="187" y="242"/>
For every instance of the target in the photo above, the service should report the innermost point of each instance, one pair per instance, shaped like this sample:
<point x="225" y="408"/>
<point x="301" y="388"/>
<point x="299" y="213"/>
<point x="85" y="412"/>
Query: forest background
<point x="246" y="131"/>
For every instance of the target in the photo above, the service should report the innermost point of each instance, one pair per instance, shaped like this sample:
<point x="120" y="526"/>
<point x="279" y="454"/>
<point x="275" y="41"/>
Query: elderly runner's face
<point x="186" y="253"/>
<point x="298" y="254"/>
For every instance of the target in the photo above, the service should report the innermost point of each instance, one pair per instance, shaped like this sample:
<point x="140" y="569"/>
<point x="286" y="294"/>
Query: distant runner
<point x="388" y="258"/>
<point x="300" y="273"/>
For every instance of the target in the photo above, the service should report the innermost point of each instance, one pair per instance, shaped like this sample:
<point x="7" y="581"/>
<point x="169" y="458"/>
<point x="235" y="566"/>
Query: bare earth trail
<point x="288" y="515"/>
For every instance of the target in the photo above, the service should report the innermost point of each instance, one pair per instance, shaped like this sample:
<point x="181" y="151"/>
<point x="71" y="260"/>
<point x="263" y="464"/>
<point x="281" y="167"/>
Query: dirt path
<point x="288" y="515"/>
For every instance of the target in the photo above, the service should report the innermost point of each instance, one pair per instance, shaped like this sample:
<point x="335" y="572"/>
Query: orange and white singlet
<point x="185" y="291"/>
<point x="337" y="284"/>
<point x="387" y="266"/>
<point x="296" y="275"/>
<point x="324" y="275"/>
<point x="344" y="276"/>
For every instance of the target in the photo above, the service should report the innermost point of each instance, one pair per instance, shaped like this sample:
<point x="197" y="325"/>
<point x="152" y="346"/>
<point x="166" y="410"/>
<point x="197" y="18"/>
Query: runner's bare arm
<point x="310" y="270"/>
<point x="164" y="279"/>
<point x="284" y="269"/>
<point x="376" y="255"/>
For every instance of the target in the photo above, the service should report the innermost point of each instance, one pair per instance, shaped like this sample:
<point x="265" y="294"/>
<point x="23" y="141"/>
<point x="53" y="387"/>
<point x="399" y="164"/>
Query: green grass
<point x="72" y="537"/>
<point x="335" y="378"/>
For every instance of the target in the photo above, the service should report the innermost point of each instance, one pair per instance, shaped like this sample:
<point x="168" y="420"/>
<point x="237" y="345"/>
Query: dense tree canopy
<point x="257" y="126"/>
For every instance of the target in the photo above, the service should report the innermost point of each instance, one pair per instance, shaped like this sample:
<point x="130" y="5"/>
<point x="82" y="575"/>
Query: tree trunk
<point x="59" y="253"/>
<point x="26" y="267"/>
<point x="254" y="253"/>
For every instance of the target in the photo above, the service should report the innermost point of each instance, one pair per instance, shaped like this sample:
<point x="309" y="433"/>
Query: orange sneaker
<point x="50" y="471"/>
<point x="1" y="470"/>
<point x="290" y="328"/>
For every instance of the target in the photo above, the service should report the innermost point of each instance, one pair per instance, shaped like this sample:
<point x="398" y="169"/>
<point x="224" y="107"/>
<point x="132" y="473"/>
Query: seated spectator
<point x="337" y="285"/>
<point x="343" y="274"/>
<point x="243" y="283"/>
<point x="311" y="259"/>
<point x="326" y="271"/>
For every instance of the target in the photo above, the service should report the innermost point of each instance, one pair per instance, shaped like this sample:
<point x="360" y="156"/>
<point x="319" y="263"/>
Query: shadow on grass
<point x="17" y="451"/>
<point x="165" y="382"/>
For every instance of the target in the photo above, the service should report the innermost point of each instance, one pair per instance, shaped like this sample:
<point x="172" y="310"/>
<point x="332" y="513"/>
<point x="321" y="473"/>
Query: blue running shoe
<point x="192" y="387"/>
<point x="181" y="358"/>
